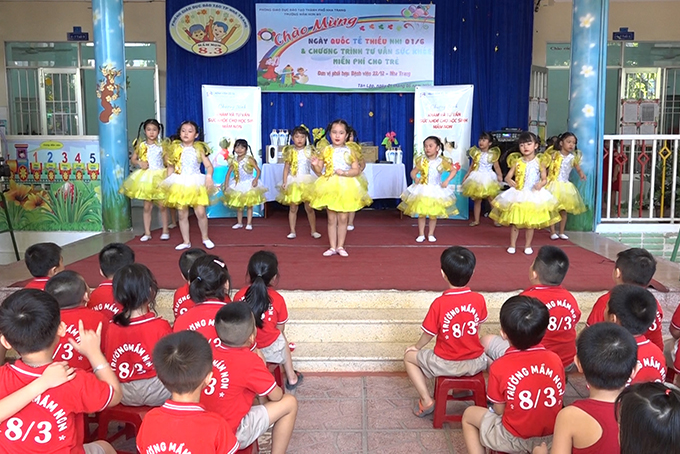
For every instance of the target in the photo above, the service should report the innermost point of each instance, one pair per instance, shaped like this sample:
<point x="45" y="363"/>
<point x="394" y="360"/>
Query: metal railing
<point x="639" y="179"/>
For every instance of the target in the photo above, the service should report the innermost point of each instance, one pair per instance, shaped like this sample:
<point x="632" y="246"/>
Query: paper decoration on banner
<point x="209" y="29"/>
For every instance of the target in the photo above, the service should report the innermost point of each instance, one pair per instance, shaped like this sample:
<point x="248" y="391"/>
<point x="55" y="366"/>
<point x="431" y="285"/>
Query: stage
<point x="382" y="250"/>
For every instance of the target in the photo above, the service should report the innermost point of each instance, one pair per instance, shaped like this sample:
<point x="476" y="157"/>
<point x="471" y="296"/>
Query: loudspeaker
<point x="272" y="154"/>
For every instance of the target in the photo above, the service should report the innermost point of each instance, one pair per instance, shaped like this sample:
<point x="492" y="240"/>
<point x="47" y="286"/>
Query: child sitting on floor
<point x="182" y="300"/>
<point x="43" y="261"/>
<point x="546" y="274"/>
<point x="634" y="308"/>
<point x="454" y="318"/>
<point x="633" y="266"/>
<point x="72" y="294"/>
<point x="526" y="386"/>
<point x="183" y="362"/>
<point x="112" y="257"/>
<point x="239" y="375"/>
<point x="606" y="357"/>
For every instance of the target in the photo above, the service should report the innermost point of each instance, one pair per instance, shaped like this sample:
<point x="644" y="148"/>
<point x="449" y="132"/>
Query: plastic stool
<point x="277" y="372"/>
<point x="443" y="385"/>
<point x="130" y="416"/>
<point x="252" y="449"/>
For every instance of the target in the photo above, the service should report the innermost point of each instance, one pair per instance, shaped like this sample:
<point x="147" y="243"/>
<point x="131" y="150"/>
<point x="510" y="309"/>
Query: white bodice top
<point x="485" y="162"/>
<point x="303" y="163"/>
<point x="340" y="157"/>
<point x="154" y="156"/>
<point x="189" y="161"/>
<point x="532" y="174"/>
<point x="243" y="173"/>
<point x="565" y="167"/>
<point x="434" y="176"/>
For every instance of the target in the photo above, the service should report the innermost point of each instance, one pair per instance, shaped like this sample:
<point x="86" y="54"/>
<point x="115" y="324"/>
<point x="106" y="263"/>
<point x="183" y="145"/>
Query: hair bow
<point x="390" y="139"/>
<point x="305" y="128"/>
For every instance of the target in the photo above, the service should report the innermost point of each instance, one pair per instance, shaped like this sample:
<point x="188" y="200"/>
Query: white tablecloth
<point x="385" y="181"/>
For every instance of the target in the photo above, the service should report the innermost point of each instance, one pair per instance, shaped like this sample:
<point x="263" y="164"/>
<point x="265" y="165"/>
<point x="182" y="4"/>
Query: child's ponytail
<point x="262" y="268"/>
<point x="208" y="277"/>
<point x="139" y="134"/>
<point x="134" y="286"/>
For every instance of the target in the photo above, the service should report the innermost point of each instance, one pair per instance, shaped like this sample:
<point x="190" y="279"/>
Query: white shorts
<point x="274" y="353"/>
<point x="93" y="448"/>
<point x="147" y="392"/>
<point x="434" y="366"/>
<point x="253" y="425"/>
<point x="494" y="435"/>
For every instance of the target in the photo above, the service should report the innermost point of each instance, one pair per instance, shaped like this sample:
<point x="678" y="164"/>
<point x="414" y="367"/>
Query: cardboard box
<point x="370" y="153"/>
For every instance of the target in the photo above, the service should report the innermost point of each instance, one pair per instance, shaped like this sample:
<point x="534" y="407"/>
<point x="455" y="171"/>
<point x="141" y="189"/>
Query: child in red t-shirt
<point x="43" y="261"/>
<point x="112" y="257"/>
<point x="633" y="266"/>
<point x="72" y="293"/>
<point x="526" y="386"/>
<point x="546" y="274"/>
<point x="133" y="334"/>
<point x="607" y="358"/>
<point x="182" y="301"/>
<point x="183" y="362"/>
<point x="634" y="308"/>
<point x="271" y="314"/>
<point x="210" y="284"/>
<point x="30" y="323"/>
<point x="454" y="318"/>
<point x="239" y="375"/>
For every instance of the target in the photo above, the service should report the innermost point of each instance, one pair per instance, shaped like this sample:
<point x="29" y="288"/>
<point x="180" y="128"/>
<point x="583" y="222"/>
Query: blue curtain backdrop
<point x="486" y="43"/>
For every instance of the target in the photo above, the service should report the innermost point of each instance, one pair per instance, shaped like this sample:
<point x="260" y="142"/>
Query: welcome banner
<point x="446" y="112"/>
<point x="344" y="47"/>
<point x="230" y="113"/>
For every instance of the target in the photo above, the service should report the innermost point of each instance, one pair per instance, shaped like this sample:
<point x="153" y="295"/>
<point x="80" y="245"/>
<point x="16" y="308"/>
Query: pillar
<point x="109" y="57"/>
<point x="586" y="103"/>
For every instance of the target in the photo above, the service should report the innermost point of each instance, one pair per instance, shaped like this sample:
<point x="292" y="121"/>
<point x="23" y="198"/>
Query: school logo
<point x="209" y="29"/>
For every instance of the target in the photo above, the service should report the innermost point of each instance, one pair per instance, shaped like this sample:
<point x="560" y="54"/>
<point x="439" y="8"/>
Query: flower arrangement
<point x="390" y="140"/>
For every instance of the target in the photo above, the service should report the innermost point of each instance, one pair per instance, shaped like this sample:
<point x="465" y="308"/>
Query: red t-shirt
<point x="276" y="315"/>
<point x="48" y="423"/>
<point x="531" y="384"/>
<point x="91" y="319"/>
<point x="182" y="301"/>
<point x="128" y="348"/>
<point x="185" y="425"/>
<point x="454" y="318"/>
<point x="37" y="283"/>
<point x="238" y="376"/>
<point x="653" y="334"/>
<point x="201" y="318"/>
<point x="564" y="315"/>
<point x="675" y="321"/>
<point x="101" y="300"/>
<point x="651" y="361"/>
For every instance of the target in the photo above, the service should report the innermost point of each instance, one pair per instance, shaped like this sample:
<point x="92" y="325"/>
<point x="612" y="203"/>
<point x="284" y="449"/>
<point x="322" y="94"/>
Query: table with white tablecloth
<point x="385" y="181"/>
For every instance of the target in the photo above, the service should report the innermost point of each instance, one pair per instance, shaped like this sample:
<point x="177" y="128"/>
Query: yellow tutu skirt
<point x="298" y="190"/>
<point x="481" y="185"/>
<point x="342" y="194"/>
<point x="145" y="184"/>
<point x="428" y="200"/>
<point x="183" y="191"/>
<point x="525" y="209"/>
<point x="243" y="194"/>
<point x="568" y="197"/>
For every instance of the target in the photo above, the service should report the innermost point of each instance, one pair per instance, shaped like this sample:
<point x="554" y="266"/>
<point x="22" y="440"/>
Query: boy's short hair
<point x="188" y="258"/>
<point x="29" y="320"/>
<point x="634" y="307"/>
<point x="551" y="265"/>
<point x="68" y="288"/>
<point x="182" y="361"/>
<point x="637" y="266"/>
<point x="524" y="321"/>
<point x="458" y="264"/>
<point x="113" y="257"/>
<point x="235" y="323"/>
<point x="608" y="354"/>
<point x="41" y="258"/>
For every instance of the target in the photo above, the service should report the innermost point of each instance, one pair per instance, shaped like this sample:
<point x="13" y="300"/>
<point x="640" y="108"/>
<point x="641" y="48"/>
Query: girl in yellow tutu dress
<point x="338" y="188"/>
<point x="298" y="179"/>
<point x="362" y="175"/>
<point x="186" y="186"/>
<point x="483" y="178"/>
<point x="245" y="190"/>
<point x="527" y="204"/>
<point x="564" y="156"/>
<point x="145" y="182"/>
<point x="429" y="196"/>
